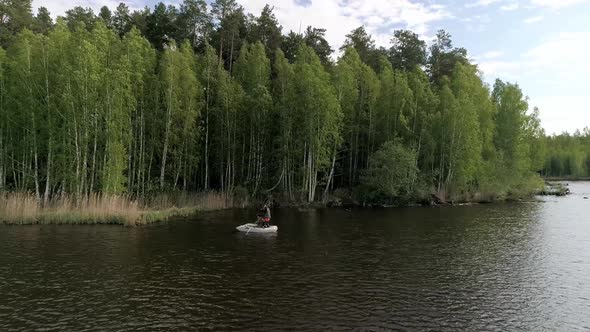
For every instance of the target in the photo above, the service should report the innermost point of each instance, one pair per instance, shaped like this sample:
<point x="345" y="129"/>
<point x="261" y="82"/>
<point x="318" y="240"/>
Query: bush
<point x="500" y="182"/>
<point x="391" y="174"/>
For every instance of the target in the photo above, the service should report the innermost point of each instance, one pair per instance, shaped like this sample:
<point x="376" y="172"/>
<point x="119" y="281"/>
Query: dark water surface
<point x="504" y="267"/>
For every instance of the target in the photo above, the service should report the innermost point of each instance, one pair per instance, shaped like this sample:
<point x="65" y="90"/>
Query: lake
<point x="505" y="266"/>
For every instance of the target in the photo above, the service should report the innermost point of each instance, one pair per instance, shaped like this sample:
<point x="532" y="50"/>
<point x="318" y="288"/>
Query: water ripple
<point x="516" y="267"/>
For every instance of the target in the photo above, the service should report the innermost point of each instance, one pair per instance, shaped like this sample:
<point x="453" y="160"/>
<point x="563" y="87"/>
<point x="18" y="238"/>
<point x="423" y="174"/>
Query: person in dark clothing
<point x="264" y="216"/>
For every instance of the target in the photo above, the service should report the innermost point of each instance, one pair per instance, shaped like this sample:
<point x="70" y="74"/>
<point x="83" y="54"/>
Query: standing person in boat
<point x="264" y="216"/>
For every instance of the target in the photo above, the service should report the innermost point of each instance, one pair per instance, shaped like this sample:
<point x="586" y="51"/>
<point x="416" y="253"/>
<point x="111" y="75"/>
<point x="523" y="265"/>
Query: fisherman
<point x="264" y="216"/>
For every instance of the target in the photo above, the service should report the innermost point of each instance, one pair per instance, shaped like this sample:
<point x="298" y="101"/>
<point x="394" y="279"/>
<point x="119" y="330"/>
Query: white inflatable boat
<point x="253" y="228"/>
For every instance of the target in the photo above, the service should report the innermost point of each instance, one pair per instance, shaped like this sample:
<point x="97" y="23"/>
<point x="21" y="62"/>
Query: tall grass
<point x="211" y="200"/>
<point x="23" y="208"/>
<point x="165" y="206"/>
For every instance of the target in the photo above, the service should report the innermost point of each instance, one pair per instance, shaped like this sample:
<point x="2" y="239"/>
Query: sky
<point x="543" y="45"/>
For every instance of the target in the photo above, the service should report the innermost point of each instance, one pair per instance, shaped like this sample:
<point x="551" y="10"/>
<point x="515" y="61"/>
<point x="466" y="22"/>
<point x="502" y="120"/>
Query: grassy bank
<point x="23" y="208"/>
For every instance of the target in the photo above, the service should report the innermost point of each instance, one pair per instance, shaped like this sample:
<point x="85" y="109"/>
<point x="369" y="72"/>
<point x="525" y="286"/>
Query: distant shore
<point x="566" y="178"/>
<point x="25" y="209"/>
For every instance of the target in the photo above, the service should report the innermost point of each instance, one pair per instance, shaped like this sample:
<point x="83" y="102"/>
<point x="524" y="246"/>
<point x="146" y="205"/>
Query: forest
<point x="568" y="156"/>
<point x="202" y="98"/>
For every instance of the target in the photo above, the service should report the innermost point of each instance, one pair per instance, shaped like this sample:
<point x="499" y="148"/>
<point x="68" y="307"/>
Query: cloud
<point x="338" y="17"/>
<point x="380" y="17"/>
<point x="510" y="7"/>
<point x="59" y="7"/>
<point x="481" y="3"/>
<point x="553" y="110"/>
<point x="499" y="68"/>
<point x="477" y="23"/>
<point x="491" y="55"/>
<point x="533" y="19"/>
<point x="565" y="53"/>
<point x="564" y="50"/>
<point x="557" y="67"/>
<point x="492" y="66"/>
<point x="556" y="4"/>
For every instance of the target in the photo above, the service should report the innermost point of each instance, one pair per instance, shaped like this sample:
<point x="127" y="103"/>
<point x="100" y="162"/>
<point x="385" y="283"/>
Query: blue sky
<point x="543" y="45"/>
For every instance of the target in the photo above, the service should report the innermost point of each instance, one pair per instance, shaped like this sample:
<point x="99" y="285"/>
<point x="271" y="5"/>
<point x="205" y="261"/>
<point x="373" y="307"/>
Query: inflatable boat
<point x="254" y="228"/>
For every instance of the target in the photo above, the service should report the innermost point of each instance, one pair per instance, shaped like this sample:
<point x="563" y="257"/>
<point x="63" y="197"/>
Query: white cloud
<point x="481" y="3"/>
<point x="491" y="55"/>
<point x="59" y="7"/>
<point x="563" y="51"/>
<point x="499" y="68"/>
<point x="555" y="4"/>
<point x="557" y="69"/>
<point x="477" y="23"/>
<point x="533" y="19"/>
<point x="510" y="7"/>
<point x="338" y="17"/>
<point x="560" y="113"/>
<point x="380" y="17"/>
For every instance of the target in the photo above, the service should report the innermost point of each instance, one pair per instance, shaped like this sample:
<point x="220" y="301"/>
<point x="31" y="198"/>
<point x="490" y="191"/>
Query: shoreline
<point x="161" y="216"/>
<point x="22" y="209"/>
<point x="25" y="209"/>
<point x="73" y="218"/>
<point x="566" y="178"/>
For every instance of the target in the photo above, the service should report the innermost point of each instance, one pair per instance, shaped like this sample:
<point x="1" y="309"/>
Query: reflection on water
<point x="490" y="267"/>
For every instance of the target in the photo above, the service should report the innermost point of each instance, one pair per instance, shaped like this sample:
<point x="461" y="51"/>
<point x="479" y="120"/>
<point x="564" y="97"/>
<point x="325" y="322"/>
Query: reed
<point x="23" y="208"/>
<point x="18" y="208"/>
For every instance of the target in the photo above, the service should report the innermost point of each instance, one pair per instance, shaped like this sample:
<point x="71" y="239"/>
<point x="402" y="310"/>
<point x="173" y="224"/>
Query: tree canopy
<point x="196" y="97"/>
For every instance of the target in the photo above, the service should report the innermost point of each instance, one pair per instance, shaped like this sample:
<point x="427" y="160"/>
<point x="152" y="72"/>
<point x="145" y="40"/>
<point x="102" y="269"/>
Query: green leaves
<point x="407" y="51"/>
<point x="392" y="172"/>
<point x="182" y="102"/>
<point x="122" y="103"/>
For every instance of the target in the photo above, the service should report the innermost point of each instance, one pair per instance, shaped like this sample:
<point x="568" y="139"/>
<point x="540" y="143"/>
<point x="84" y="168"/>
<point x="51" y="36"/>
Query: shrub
<point x="391" y="174"/>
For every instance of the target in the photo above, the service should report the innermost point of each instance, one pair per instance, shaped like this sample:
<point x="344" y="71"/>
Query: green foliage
<point x="316" y="39"/>
<point x="364" y="44"/>
<point x="465" y="144"/>
<point x="565" y="155"/>
<point x="318" y="117"/>
<point x="392" y="172"/>
<point x="290" y="45"/>
<point x="407" y="50"/>
<point x="15" y="16"/>
<point x="194" y="23"/>
<point x="443" y="57"/>
<point x="182" y="99"/>
<point x="511" y="120"/>
<point x="357" y="88"/>
<point x="42" y="23"/>
<point x="119" y="106"/>
<point x="80" y="17"/>
<point x="267" y="30"/>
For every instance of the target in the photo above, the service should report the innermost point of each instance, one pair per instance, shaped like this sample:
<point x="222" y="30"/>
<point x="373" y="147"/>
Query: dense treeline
<point x="194" y="99"/>
<point x="568" y="155"/>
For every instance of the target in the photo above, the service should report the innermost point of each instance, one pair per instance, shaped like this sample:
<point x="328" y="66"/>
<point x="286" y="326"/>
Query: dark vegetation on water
<point x="127" y="106"/>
